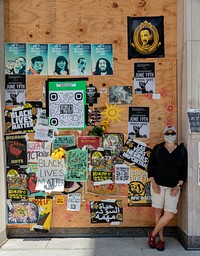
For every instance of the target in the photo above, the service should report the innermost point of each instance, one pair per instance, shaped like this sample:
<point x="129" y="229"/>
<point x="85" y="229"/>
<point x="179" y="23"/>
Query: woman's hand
<point x="175" y="190"/>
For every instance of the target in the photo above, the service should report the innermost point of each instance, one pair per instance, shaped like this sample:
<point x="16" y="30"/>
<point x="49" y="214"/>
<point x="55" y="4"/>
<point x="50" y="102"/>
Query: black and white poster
<point x="15" y="90"/>
<point x="146" y="37"/>
<point x="120" y="95"/>
<point x="138" y="122"/>
<point x="144" y="78"/>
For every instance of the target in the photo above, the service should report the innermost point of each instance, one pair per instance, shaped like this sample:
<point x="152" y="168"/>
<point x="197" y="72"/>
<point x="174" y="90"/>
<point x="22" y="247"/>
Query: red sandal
<point x="160" y="246"/>
<point x="152" y="240"/>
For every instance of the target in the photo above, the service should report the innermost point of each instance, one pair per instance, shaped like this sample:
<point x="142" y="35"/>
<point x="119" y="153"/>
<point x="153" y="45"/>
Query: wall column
<point x="188" y="97"/>
<point x="2" y="164"/>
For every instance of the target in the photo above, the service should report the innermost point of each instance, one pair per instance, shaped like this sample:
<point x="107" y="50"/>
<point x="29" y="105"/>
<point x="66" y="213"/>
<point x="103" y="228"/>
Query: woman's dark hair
<point x="108" y="67"/>
<point x="57" y="69"/>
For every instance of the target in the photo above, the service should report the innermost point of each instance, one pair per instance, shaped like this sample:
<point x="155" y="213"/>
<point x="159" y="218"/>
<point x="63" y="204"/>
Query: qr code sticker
<point x="66" y="109"/>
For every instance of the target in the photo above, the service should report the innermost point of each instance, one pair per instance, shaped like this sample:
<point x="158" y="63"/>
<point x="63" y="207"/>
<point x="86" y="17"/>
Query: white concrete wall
<point x="188" y="97"/>
<point x="2" y="167"/>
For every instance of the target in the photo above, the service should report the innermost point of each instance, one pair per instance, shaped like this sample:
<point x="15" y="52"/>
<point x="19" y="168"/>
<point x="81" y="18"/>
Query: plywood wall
<point x="101" y="21"/>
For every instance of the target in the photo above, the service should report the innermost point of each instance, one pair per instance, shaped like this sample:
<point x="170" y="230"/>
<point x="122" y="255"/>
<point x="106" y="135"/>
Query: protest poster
<point x="37" y="63"/>
<point x="146" y="37"/>
<point x="66" y="100"/>
<point x="107" y="211"/>
<point x="16" y="149"/>
<point x="74" y="202"/>
<point x="144" y="78"/>
<point x="15" y="58"/>
<point x="63" y="141"/>
<point x="43" y="224"/>
<point x="50" y="174"/>
<point x="139" y="189"/>
<point x="91" y="95"/>
<point x="138" y="122"/>
<point x="16" y="183"/>
<point x="102" y="59"/>
<point x="36" y="149"/>
<point x="20" y="119"/>
<point x="15" y="90"/>
<point x="77" y="165"/>
<point x="136" y="152"/>
<point x="58" y="59"/>
<point x="22" y="212"/>
<point x="80" y="59"/>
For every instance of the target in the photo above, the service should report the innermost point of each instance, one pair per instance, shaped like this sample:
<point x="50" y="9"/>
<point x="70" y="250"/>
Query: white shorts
<point x="164" y="200"/>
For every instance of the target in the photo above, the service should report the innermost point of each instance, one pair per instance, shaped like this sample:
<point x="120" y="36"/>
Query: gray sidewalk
<point x="107" y="246"/>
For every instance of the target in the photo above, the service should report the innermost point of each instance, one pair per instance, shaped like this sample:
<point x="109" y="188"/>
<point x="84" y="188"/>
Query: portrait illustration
<point x="145" y="37"/>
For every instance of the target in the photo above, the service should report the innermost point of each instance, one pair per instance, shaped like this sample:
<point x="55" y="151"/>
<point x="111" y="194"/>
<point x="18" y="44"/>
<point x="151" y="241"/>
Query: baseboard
<point x="189" y="242"/>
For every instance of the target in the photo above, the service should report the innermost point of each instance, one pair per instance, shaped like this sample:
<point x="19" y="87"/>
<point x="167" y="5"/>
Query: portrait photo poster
<point x="104" y="51"/>
<point x="58" y="53"/>
<point x="80" y="59"/>
<point x="146" y="37"/>
<point x="15" y="58"/>
<point x="37" y="50"/>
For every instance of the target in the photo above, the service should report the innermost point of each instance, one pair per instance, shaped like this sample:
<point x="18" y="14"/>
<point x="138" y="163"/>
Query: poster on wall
<point x="16" y="149"/>
<point x="144" y="78"/>
<point x="138" y="122"/>
<point x="43" y="223"/>
<point x="16" y="183"/>
<point x="65" y="101"/>
<point x="122" y="174"/>
<point x="136" y="152"/>
<point x="102" y="59"/>
<point x="22" y="212"/>
<point x="77" y="165"/>
<point x="120" y="95"/>
<point x="15" y="58"/>
<point x="139" y="189"/>
<point x="20" y="119"/>
<point x="58" y="59"/>
<point x="37" y="63"/>
<point x="107" y="211"/>
<point x="146" y="37"/>
<point x="194" y="119"/>
<point x="36" y="149"/>
<point x="90" y="142"/>
<point x="15" y="90"/>
<point x="74" y="202"/>
<point x="80" y="59"/>
<point x="63" y="141"/>
<point x="50" y="174"/>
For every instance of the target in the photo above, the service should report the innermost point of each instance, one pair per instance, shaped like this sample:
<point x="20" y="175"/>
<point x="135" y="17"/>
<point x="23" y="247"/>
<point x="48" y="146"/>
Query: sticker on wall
<point x="94" y="116"/>
<point x="63" y="141"/>
<point x="122" y="174"/>
<point x="120" y="95"/>
<point x="146" y="37"/>
<point x="144" y="78"/>
<point x="91" y="95"/>
<point x="138" y="122"/>
<point x="66" y="100"/>
<point x="36" y="149"/>
<point x="90" y="142"/>
<point x="107" y="211"/>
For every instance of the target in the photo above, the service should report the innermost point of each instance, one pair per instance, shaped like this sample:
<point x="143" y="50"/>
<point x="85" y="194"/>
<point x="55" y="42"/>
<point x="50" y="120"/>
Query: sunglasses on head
<point x="170" y="133"/>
